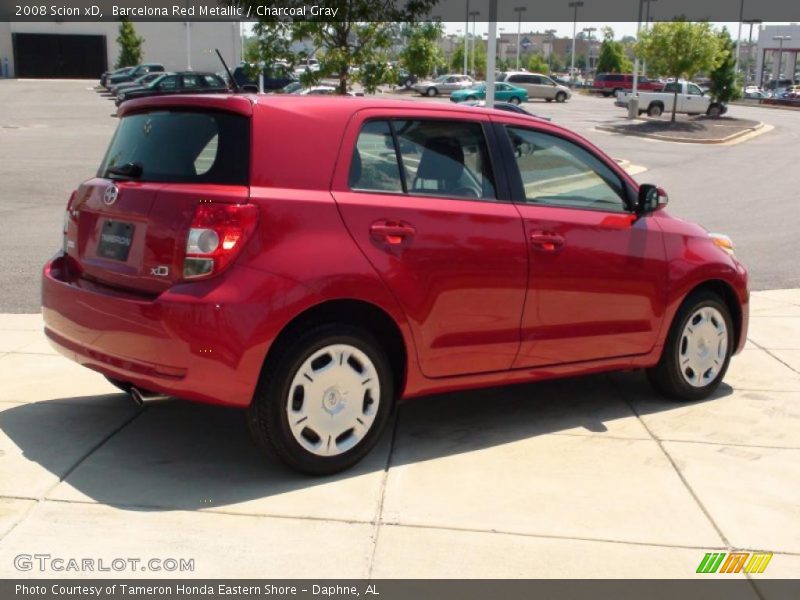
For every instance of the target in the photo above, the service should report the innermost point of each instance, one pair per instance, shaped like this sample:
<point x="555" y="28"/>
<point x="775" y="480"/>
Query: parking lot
<point x="589" y="477"/>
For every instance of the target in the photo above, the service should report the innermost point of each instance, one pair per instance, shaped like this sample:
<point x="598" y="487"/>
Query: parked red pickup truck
<point x="611" y="83"/>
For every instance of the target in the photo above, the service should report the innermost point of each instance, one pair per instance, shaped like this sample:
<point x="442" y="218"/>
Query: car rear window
<point x="180" y="146"/>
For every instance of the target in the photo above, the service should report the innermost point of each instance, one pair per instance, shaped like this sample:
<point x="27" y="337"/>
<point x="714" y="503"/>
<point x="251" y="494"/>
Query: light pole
<point x="473" y="14"/>
<point x="635" y="90"/>
<point x="575" y="6"/>
<point x="646" y="27"/>
<point x="519" y="10"/>
<point x="780" y="39"/>
<point x="466" y="40"/>
<point x="750" y="22"/>
<point x="590" y="31"/>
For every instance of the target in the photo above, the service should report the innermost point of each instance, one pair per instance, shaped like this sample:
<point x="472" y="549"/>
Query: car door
<point x="421" y="199"/>
<point x="524" y="82"/>
<point x="693" y="101"/>
<point x="597" y="273"/>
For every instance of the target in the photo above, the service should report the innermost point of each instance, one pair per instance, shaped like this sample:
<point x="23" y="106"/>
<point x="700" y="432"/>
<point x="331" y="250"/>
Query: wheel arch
<point x="727" y="294"/>
<point x="358" y="313"/>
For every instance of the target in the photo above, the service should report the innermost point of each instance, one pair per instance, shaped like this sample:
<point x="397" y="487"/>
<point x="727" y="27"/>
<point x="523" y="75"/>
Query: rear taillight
<point x="67" y="218"/>
<point x="217" y="234"/>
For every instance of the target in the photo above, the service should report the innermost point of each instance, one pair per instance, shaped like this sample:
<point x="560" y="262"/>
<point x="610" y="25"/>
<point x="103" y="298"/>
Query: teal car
<point x="502" y="91"/>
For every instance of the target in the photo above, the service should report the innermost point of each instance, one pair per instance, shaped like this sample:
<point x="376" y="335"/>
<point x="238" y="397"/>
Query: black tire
<point x="561" y="97"/>
<point x="548" y="99"/>
<point x="666" y="376"/>
<point x="471" y="98"/>
<point x="515" y="100"/>
<point x="267" y="416"/>
<point x="714" y="111"/>
<point x="654" y="110"/>
<point x="408" y="83"/>
<point x="616" y="92"/>
<point x="606" y="94"/>
<point x="431" y="92"/>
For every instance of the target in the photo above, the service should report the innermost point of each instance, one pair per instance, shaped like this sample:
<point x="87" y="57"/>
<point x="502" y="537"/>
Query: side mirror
<point x="651" y="198"/>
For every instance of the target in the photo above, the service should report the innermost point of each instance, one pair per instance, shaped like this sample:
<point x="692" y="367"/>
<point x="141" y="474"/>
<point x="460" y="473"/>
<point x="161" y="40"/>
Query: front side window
<point x="695" y="90"/>
<point x="191" y="81"/>
<point x="557" y="172"/>
<point x="436" y="158"/>
<point x="168" y="82"/>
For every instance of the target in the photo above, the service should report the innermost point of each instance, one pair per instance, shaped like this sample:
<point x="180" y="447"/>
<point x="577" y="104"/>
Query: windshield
<point x="441" y="78"/>
<point x="181" y="147"/>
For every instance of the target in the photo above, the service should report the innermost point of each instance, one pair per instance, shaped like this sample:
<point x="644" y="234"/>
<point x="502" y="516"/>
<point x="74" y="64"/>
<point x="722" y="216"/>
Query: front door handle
<point x="391" y="232"/>
<point x="547" y="241"/>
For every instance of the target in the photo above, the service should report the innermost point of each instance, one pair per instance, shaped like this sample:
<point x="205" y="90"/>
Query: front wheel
<point x="561" y="97"/>
<point x="431" y="92"/>
<point x="714" y="111"/>
<point x="698" y="349"/>
<point x="515" y="100"/>
<point x="321" y="406"/>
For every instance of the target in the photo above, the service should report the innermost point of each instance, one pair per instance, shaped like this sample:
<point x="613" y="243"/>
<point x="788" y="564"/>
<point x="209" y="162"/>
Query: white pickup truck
<point x="691" y="100"/>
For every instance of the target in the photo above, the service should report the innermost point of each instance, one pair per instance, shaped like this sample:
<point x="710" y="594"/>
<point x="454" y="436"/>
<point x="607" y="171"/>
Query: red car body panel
<point x="475" y="303"/>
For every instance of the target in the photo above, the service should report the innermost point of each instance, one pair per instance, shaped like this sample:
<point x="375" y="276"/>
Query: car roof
<point x="327" y="107"/>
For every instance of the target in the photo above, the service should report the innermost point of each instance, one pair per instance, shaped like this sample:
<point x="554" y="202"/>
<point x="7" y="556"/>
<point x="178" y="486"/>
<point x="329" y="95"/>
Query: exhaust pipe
<point x="142" y="396"/>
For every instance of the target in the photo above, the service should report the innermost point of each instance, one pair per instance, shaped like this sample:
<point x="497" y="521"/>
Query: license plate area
<point x="116" y="238"/>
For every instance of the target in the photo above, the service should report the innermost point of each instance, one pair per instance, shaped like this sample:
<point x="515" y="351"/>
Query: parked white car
<point x="691" y="100"/>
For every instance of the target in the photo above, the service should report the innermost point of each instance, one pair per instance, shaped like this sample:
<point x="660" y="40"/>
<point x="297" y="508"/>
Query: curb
<point x="760" y="128"/>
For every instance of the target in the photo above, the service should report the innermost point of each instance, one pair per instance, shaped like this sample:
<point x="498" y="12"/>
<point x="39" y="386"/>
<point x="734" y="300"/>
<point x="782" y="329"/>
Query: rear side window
<point x="437" y="158"/>
<point x="180" y="147"/>
<point x="374" y="165"/>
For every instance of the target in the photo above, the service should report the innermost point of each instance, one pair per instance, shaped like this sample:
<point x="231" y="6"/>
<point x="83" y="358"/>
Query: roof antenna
<point x="234" y="85"/>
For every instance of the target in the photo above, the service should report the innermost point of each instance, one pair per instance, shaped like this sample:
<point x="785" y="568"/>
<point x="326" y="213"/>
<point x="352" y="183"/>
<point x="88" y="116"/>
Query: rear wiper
<point x="129" y="170"/>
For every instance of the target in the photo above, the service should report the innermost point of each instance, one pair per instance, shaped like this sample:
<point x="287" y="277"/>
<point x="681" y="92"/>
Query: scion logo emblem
<point x="160" y="271"/>
<point x="110" y="195"/>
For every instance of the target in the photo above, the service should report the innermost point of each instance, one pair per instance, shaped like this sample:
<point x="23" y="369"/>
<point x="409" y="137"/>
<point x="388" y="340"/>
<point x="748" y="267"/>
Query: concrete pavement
<point x="589" y="477"/>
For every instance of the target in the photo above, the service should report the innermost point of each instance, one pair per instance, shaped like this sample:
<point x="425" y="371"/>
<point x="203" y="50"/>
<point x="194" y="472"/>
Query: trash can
<point x="633" y="106"/>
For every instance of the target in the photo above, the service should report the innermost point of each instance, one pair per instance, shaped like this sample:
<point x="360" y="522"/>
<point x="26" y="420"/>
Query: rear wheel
<point x="654" y="110"/>
<point x="548" y="99"/>
<point x="431" y="92"/>
<point x="561" y="97"/>
<point x="606" y="94"/>
<point x="514" y="100"/>
<point x="714" y="111"/>
<point x="616" y="92"/>
<point x="471" y="98"/>
<point x="322" y="404"/>
<point x="698" y="349"/>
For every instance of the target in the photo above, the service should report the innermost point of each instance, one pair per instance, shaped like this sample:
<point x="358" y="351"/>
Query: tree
<point x="457" y="61"/>
<point x="612" y="58"/>
<point x="272" y="43"/>
<point x="679" y="49"/>
<point x="725" y="84"/>
<point x="361" y="31"/>
<point x="538" y="64"/>
<point x="130" y="45"/>
<point x="421" y="54"/>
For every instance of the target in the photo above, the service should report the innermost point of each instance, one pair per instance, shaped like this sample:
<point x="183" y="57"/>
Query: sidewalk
<point x="590" y="477"/>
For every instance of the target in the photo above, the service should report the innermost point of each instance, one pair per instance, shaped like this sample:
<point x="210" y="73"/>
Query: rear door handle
<point x="547" y="241"/>
<point x="391" y="232"/>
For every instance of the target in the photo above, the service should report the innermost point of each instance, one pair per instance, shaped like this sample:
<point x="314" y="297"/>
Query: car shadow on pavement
<point x="176" y="455"/>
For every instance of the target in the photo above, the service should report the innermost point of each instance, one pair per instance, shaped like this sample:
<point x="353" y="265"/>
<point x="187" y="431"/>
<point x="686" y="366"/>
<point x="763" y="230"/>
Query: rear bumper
<point x="194" y="341"/>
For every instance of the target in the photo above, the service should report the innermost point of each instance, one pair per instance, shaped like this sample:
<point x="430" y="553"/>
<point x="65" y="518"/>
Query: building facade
<point x="777" y="59"/>
<point x="86" y="49"/>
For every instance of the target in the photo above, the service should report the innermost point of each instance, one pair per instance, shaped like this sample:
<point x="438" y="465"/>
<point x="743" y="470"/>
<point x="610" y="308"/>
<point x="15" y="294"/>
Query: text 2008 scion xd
<point x="313" y="260"/>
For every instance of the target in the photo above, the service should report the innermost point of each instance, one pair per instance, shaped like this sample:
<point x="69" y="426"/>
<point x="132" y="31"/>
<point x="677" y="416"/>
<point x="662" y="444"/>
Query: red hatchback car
<point x="314" y="260"/>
